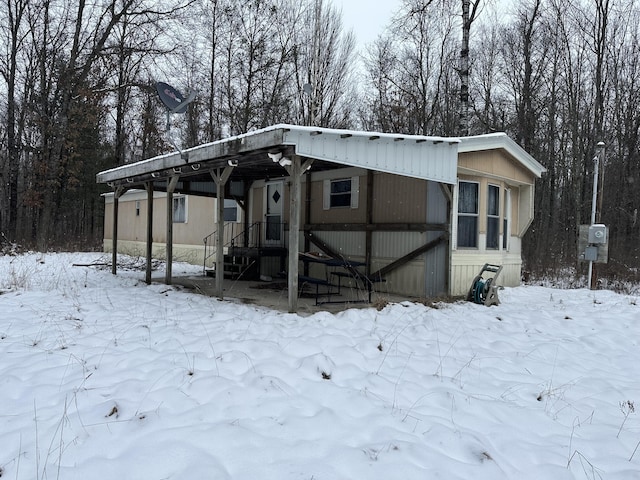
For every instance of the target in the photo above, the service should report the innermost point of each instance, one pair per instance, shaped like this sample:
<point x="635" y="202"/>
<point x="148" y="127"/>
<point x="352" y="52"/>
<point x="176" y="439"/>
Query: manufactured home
<point x="413" y="215"/>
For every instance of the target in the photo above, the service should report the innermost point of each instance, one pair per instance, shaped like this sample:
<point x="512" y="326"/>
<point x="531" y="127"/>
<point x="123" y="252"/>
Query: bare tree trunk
<point x="467" y="19"/>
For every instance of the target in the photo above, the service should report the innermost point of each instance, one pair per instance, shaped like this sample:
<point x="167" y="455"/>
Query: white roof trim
<point x="495" y="141"/>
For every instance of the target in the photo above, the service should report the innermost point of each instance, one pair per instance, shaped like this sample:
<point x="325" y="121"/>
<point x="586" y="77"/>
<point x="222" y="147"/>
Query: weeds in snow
<point x="627" y="408"/>
<point x="587" y="467"/>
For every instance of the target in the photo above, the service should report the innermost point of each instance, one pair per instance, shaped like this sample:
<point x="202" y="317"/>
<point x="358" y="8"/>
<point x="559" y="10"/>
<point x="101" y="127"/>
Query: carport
<point x="213" y="169"/>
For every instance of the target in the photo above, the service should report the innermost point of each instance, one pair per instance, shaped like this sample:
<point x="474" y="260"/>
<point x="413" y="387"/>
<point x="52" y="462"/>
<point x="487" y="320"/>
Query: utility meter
<point x="597" y="234"/>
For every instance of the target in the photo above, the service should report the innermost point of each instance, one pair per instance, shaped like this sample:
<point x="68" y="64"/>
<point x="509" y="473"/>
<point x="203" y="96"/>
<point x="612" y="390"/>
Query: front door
<point x="273" y="216"/>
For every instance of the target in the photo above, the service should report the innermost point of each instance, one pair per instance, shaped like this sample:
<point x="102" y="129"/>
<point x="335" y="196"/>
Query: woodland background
<point x="77" y="82"/>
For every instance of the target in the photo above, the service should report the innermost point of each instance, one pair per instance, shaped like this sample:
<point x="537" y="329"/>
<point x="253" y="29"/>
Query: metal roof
<point x="425" y="157"/>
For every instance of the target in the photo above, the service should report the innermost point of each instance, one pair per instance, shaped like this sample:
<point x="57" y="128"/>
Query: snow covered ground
<point x="104" y="377"/>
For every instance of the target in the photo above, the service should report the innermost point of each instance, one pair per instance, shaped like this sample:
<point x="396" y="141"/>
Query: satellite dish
<point x="173" y="99"/>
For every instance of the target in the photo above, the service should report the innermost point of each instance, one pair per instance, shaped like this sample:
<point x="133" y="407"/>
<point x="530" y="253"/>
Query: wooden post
<point x="114" y="238"/>
<point x="295" y="171"/>
<point x="220" y="177"/>
<point x="294" y="229"/>
<point x="149" y="188"/>
<point x="369" y="233"/>
<point x="308" y="220"/>
<point x="171" y="186"/>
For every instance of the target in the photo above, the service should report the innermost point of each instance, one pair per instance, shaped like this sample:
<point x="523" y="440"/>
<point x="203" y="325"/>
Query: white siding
<point x="465" y="267"/>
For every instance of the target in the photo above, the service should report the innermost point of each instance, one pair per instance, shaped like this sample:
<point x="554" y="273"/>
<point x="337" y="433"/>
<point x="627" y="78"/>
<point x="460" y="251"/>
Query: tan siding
<point x="200" y="220"/>
<point x="108" y="220"/>
<point x="193" y="254"/>
<point x="336" y="215"/>
<point x="515" y="208"/>
<point x="399" y="199"/>
<point x="201" y="213"/>
<point x="257" y="205"/>
<point x="495" y="163"/>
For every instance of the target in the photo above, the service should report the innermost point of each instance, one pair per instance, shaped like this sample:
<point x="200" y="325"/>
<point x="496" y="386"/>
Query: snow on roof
<point x="419" y="156"/>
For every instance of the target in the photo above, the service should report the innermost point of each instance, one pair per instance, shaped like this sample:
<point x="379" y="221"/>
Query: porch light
<point x="232" y="163"/>
<point x="284" y="162"/>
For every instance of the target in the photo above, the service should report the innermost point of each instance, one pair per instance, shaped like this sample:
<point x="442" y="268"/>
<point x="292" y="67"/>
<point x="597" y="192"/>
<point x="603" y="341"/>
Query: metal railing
<point x="236" y="235"/>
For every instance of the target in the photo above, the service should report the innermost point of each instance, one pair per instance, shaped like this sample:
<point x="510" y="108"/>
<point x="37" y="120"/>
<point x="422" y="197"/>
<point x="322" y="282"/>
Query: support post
<point x="295" y="171"/>
<point x="114" y="238"/>
<point x="220" y="177"/>
<point x="171" y="186"/>
<point x="294" y="228"/>
<point x="369" y="233"/>
<point x="308" y="220"/>
<point x="149" y="187"/>
<point x="596" y="206"/>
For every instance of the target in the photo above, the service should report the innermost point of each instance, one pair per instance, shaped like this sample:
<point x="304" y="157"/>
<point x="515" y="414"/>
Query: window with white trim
<point x="180" y="209"/>
<point x="493" y="217"/>
<point x="230" y="213"/>
<point x="467" y="215"/>
<point x="341" y="193"/>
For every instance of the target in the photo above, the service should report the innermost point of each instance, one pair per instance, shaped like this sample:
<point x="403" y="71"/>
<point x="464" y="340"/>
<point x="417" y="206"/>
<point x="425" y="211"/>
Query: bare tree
<point x="323" y="67"/>
<point x="416" y="83"/>
<point x="469" y="12"/>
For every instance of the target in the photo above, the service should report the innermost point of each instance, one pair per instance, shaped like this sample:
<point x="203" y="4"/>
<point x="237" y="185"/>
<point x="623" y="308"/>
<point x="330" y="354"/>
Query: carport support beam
<point x="149" y="187"/>
<point x="171" y="186"/>
<point x="220" y="177"/>
<point x="119" y="191"/>
<point x="295" y="171"/>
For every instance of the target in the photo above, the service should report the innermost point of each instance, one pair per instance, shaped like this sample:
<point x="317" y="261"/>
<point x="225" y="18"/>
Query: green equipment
<point x="484" y="291"/>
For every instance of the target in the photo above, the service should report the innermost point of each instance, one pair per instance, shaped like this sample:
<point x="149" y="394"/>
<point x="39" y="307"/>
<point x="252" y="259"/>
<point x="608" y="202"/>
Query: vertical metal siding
<point x="436" y="259"/>
<point x="350" y="244"/>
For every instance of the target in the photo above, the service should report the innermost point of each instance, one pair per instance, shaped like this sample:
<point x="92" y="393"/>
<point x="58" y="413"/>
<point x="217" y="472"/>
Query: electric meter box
<point x="597" y="234"/>
<point x="591" y="254"/>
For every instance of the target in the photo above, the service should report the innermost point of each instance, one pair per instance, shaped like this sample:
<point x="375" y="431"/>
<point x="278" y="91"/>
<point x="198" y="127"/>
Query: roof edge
<point x="500" y="140"/>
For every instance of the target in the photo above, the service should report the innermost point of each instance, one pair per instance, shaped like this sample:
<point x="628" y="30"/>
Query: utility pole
<point x="596" y="204"/>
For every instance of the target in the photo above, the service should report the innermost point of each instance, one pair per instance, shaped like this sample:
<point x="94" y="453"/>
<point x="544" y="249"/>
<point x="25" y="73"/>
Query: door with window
<point x="273" y="231"/>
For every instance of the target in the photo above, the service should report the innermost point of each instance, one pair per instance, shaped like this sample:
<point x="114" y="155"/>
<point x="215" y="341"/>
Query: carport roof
<point x="424" y="157"/>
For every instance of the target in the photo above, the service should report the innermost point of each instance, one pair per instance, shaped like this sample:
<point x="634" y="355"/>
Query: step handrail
<point x="250" y="239"/>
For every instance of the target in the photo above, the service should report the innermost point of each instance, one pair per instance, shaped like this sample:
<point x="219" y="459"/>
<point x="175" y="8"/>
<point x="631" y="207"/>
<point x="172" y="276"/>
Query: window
<point x="230" y="210"/>
<point x="493" y="217"/>
<point x="467" y="214"/>
<point x="137" y="208"/>
<point x="341" y="193"/>
<point x="180" y="210"/>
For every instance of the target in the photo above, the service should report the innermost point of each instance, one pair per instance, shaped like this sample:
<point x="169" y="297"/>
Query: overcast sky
<point x="367" y="17"/>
